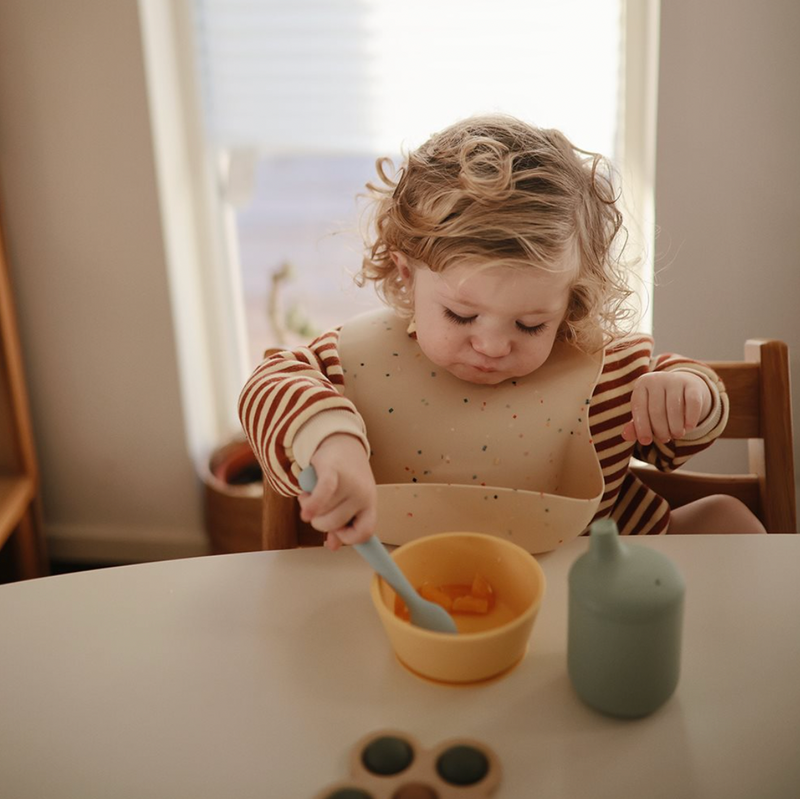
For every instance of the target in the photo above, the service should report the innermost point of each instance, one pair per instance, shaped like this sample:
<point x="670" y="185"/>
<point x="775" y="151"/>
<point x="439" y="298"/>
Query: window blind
<point x="365" y="76"/>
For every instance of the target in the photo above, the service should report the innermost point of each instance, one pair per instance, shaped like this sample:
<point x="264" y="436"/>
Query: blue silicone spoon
<point x="423" y="613"/>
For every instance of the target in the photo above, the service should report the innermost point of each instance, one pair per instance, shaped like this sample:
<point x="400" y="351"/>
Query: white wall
<point x="728" y="184"/>
<point x="81" y="214"/>
<point x="85" y="245"/>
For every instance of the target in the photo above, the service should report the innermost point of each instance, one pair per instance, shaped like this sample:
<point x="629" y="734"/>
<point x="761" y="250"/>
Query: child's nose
<point x="492" y="345"/>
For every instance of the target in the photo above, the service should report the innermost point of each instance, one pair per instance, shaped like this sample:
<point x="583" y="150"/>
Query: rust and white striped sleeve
<point x="291" y="402"/>
<point x="636" y="508"/>
<point x="610" y="411"/>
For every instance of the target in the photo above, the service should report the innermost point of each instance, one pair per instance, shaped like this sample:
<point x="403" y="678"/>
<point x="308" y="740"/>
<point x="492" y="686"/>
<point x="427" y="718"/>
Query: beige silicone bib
<point x="514" y="460"/>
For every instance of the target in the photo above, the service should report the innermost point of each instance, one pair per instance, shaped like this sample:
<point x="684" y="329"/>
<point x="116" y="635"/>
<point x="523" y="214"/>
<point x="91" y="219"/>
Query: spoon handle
<point x="374" y="552"/>
<point x="423" y="612"/>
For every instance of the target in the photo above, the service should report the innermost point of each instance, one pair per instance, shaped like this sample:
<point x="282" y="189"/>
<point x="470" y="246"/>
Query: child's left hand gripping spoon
<point x="423" y="613"/>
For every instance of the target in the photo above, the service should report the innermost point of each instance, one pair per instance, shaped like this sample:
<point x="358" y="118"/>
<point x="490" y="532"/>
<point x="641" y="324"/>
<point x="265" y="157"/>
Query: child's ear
<point x="403" y="267"/>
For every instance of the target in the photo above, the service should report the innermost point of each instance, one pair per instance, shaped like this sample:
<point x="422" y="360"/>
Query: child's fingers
<point x="348" y="535"/>
<point x="311" y="505"/>
<point x="629" y="431"/>
<point x="358" y="531"/>
<point x="693" y="400"/>
<point x="335" y="517"/>
<point x="641" y="414"/>
<point x="333" y="542"/>
<point x="657" y="414"/>
<point x="665" y="407"/>
<point x="676" y="414"/>
<point x="360" y="528"/>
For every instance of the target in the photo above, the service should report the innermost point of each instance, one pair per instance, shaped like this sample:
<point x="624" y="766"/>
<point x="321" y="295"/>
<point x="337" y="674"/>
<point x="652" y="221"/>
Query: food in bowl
<point x="477" y="597"/>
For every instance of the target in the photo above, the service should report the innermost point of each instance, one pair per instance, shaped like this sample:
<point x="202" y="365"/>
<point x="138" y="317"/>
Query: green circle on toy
<point x="462" y="765"/>
<point x="388" y="755"/>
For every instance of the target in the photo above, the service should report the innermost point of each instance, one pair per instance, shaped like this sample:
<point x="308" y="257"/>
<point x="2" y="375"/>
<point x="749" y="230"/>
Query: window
<point x="278" y="109"/>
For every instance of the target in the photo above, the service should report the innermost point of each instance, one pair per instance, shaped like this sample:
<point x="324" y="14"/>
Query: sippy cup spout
<point x="604" y="540"/>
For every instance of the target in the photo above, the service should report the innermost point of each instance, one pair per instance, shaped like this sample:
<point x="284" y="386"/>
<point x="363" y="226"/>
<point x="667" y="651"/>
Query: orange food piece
<point x="481" y="587"/>
<point x="438" y="595"/>
<point x="470" y="604"/>
<point x="454" y="591"/>
<point x="476" y="598"/>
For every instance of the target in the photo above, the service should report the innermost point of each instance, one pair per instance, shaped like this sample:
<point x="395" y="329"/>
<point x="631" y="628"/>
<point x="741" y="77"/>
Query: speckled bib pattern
<point x="515" y="459"/>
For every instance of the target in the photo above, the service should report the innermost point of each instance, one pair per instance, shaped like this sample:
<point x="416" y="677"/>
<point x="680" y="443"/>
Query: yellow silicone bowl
<point x="485" y="646"/>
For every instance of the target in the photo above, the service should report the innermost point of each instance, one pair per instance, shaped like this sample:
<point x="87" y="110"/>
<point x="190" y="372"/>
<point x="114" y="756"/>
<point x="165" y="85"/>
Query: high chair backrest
<point x="760" y="411"/>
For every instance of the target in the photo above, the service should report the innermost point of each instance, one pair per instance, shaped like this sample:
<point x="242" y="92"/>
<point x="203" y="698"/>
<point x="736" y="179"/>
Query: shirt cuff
<point x="318" y="428"/>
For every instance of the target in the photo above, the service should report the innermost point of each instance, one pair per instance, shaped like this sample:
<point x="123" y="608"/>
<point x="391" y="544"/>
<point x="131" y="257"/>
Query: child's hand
<point x="344" y="501"/>
<point x="666" y="406"/>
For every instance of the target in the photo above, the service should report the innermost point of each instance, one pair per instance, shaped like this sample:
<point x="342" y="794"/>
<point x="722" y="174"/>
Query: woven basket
<point x="234" y="495"/>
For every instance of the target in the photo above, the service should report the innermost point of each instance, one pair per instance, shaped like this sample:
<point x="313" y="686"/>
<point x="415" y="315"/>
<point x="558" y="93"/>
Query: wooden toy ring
<point x="391" y="764"/>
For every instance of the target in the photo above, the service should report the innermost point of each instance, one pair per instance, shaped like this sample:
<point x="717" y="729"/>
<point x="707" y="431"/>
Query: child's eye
<point x="532" y="330"/>
<point x="459" y="320"/>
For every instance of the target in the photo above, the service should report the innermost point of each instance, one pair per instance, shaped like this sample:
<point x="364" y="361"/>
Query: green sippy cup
<point x="625" y="623"/>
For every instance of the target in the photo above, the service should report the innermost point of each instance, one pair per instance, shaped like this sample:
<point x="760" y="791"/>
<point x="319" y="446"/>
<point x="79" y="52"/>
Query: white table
<point x="253" y="675"/>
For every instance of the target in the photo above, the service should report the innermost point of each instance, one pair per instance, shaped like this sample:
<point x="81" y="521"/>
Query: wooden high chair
<point x="760" y="411"/>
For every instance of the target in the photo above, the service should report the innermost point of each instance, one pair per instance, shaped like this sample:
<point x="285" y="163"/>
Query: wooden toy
<point x="391" y="764"/>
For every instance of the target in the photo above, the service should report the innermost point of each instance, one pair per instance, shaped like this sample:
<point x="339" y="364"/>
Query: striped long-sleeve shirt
<point x="295" y="398"/>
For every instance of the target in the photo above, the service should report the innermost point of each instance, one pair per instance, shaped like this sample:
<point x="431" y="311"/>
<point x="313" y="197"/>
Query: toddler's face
<point x="487" y="325"/>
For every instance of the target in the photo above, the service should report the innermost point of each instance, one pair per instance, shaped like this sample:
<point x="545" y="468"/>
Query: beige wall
<point x="728" y="183"/>
<point x="81" y="212"/>
<point x="83" y="229"/>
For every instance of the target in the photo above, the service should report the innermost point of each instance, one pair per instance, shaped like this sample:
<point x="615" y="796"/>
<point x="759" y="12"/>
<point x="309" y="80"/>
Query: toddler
<point x="499" y="389"/>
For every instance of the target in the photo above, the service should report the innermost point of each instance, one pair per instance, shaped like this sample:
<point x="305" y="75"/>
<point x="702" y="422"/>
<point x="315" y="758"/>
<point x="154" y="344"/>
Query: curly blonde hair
<point x="498" y="191"/>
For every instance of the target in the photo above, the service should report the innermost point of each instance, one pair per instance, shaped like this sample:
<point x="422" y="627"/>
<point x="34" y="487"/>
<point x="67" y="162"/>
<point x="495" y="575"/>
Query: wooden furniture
<point x="233" y="499"/>
<point x="254" y="675"/>
<point x="281" y="526"/>
<point x="760" y="411"/>
<point x="20" y="522"/>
